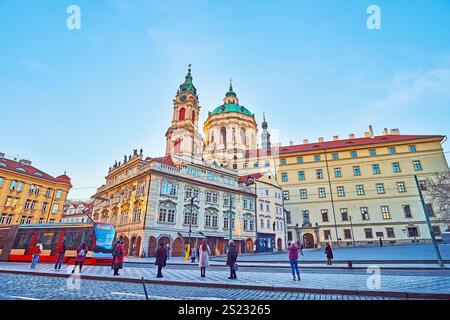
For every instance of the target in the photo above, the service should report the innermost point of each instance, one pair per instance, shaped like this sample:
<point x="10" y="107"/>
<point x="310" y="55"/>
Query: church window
<point x="223" y="134"/>
<point x="182" y="114"/>
<point x="193" y="116"/>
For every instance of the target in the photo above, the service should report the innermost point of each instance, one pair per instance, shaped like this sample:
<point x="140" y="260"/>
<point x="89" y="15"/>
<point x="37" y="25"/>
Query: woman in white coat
<point x="203" y="260"/>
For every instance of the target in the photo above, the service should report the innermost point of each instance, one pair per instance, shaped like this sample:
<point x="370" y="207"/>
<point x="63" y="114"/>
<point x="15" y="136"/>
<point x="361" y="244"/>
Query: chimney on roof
<point x="335" y="138"/>
<point x="371" y="131"/>
<point x="395" y="131"/>
<point x="321" y="139"/>
<point x="385" y="132"/>
<point x="291" y="143"/>
<point x="305" y="141"/>
<point x="351" y="136"/>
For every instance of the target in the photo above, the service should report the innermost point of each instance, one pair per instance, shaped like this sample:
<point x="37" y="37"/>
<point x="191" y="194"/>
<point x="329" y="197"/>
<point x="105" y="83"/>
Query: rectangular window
<point x="372" y="152"/>
<point x="356" y="171"/>
<point x="289" y="235"/>
<point x="368" y="233"/>
<point x="385" y="213"/>
<point x="364" y="213"/>
<point x="401" y="187"/>
<point x="286" y="195"/>
<point x="395" y="167"/>
<point x="353" y="154"/>
<point x="283" y="161"/>
<point x="245" y="165"/>
<point x="1" y="180"/>
<point x="228" y="181"/>
<point x="317" y="158"/>
<point x="305" y="214"/>
<point x="413" y="232"/>
<point x="335" y="156"/>
<point x="267" y="164"/>
<point x="337" y="172"/>
<point x="319" y="174"/>
<point x="392" y="150"/>
<point x="284" y="177"/>
<point x="301" y="175"/>
<point x="288" y="218"/>
<point x="380" y="188"/>
<point x="324" y="213"/>
<point x="340" y="191"/>
<point x="303" y="194"/>
<point x="13" y="185"/>
<point x="430" y="210"/>
<point x="412" y="148"/>
<point x="347" y="234"/>
<point x="360" y="190"/>
<point x="390" y="232"/>
<point x="212" y="176"/>
<point x="55" y="208"/>
<point x="437" y="231"/>
<point x="376" y="169"/>
<point x="327" y="234"/>
<point x="407" y="211"/>
<point x="194" y="171"/>
<point x="299" y="160"/>
<point x="169" y="189"/>
<point x="256" y="165"/>
<point x="58" y="194"/>
<point x="417" y="165"/>
<point x="48" y="192"/>
<point x="344" y="214"/>
<point x="322" y="193"/>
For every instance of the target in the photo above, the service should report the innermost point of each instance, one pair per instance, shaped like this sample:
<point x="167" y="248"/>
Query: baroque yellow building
<point x="29" y="195"/>
<point x="355" y="191"/>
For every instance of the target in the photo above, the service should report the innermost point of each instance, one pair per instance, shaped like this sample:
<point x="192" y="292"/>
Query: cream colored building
<point x="355" y="191"/>
<point x="271" y="227"/>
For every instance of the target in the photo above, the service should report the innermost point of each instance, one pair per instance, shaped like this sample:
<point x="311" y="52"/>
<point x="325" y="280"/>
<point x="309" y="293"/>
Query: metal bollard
<point x="350" y="265"/>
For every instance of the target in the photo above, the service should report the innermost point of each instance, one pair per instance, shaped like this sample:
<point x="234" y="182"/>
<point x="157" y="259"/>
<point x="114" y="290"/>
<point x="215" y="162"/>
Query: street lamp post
<point x="353" y="234"/>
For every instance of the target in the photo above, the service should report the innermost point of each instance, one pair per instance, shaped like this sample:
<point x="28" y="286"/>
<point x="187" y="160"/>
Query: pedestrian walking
<point x="329" y="253"/>
<point x="381" y="242"/>
<point x="300" y="247"/>
<point x="203" y="261"/>
<point x="197" y="253"/>
<point x="293" y="250"/>
<point x="161" y="258"/>
<point x="114" y="253"/>
<point x="193" y="254"/>
<point x="81" y="256"/>
<point x="36" y="252"/>
<point x="60" y="253"/>
<point x="231" y="259"/>
<point x="119" y="253"/>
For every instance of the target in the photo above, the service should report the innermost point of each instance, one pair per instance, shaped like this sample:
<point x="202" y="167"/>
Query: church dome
<point x="231" y="108"/>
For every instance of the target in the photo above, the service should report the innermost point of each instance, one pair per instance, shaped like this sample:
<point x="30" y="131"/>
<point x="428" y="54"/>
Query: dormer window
<point x="20" y="169"/>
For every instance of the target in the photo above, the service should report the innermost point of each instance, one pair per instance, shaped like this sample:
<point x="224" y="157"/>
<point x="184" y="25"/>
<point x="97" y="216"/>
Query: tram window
<point x="48" y="239"/>
<point x="75" y="238"/>
<point x="24" y="239"/>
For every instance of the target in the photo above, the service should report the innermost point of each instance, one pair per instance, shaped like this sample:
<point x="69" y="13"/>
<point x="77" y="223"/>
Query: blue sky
<point x="78" y="100"/>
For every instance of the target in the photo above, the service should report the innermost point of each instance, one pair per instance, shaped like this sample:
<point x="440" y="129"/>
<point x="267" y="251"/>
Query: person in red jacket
<point x="119" y="252"/>
<point x="60" y="253"/>
<point x="36" y="252"/>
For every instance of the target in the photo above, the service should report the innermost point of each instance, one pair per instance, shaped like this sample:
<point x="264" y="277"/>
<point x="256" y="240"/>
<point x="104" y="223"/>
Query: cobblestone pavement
<point x="26" y="287"/>
<point x="351" y="280"/>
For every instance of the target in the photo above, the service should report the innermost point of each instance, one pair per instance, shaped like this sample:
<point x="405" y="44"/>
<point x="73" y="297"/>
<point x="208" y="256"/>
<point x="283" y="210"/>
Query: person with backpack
<point x="203" y="261"/>
<point x="231" y="259"/>
<point x="60" y="253"/>
<point x="119" y="252"/>
<point x="161" y="258"/>
<point x="81" y="256"/>
<point x="113" y="251"/>
<point x="36" y="252"/>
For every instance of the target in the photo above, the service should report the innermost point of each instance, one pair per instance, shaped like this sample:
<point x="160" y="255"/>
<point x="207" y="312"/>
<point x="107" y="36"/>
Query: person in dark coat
<point x="82" y="251"/>
<point x="231" y="259"/>
<point x="114" y="253"/>
<point x="118" y="259"/>
<point x="161" y="258"/>
<point x="329" y="253"/>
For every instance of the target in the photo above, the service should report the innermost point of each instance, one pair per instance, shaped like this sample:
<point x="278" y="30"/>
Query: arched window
<point x="193" y="116"/>
<point x="182" y="114"/>
<point x="243" y="138"/>
<point x="167" y="213"/>
<point x="223" y="134"/>
<point x="211" y="218"/>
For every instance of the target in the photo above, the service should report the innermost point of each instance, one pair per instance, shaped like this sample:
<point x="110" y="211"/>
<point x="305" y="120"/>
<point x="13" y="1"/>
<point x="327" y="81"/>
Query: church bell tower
<point x="183" y="138"/>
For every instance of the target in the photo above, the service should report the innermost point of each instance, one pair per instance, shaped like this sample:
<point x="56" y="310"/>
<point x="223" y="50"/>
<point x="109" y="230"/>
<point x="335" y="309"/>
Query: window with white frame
<point x="169" y="189"/>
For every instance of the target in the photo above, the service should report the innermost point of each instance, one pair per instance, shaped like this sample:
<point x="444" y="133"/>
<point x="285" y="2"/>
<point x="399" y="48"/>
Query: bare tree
<point x="439" y="193"/>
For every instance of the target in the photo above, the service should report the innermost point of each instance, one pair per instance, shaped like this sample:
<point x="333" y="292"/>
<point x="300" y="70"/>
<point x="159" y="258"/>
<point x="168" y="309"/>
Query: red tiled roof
<point x="342" y="144"/>
<point x="29" y="170"/>
<point x="255" y="176"/>
<point x="166" y="160"/>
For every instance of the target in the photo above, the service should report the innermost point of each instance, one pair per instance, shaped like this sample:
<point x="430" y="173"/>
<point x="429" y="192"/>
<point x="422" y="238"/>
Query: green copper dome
<point x="231" y="108"/>
<point x="187" y="86"/>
